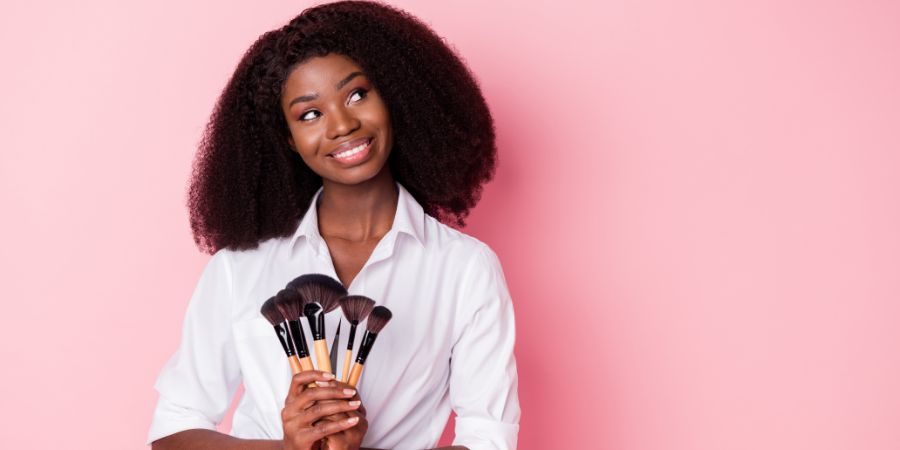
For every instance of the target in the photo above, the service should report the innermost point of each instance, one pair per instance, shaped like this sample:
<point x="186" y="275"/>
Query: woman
<point x="341" y="144"/>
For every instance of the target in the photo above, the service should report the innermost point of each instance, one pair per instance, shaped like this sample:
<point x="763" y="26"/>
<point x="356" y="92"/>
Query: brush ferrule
<point x="315" y="314"/>
<point x="367" y="341"/>
<point x="283" y="338"/>
<point x="351" y="336"/>
<point x="297" y="337"/>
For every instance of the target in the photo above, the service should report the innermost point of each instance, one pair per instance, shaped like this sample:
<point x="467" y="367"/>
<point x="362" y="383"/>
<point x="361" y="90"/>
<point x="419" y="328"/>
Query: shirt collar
<point x="409" y="218"/>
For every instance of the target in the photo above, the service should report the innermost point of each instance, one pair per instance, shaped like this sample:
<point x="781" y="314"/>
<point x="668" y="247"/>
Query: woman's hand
<point x="351" y="438"/>
<point x="305" y="407"/>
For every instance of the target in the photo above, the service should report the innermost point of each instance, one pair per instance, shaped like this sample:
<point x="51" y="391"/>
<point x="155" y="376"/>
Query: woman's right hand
<point x="305" y="406"/>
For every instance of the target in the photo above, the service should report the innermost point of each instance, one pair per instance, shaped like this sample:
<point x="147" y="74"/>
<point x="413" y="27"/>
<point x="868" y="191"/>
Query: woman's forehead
<point x="321" y="71"/>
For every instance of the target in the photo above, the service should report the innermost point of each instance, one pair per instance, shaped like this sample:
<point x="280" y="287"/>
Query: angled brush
<point x="273" y="315"/>
<point x="332" y="354"/>
<point x="290" y="306"/>
<point x="378" y="318"/>
<point x="356" y="308"/>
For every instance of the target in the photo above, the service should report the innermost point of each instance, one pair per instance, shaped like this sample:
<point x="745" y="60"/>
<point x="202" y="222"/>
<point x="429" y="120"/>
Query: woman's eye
<point x="361" y="92"/>
<point x="304" y="116"/>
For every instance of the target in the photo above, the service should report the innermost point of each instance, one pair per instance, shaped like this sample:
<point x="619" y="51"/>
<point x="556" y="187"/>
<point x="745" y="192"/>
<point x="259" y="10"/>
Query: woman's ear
<point x="291" y="143"/>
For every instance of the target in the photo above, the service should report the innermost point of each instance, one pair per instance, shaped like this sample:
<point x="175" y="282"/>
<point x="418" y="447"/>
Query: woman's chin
<point x="355" y="175"/>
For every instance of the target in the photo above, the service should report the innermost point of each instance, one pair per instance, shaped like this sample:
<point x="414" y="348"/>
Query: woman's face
<point x="339" y="124"/>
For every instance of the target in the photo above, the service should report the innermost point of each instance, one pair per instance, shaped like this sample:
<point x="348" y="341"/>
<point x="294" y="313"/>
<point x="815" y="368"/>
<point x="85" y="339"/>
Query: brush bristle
<point x="271" y="312"/>
<point x="316" y="287"/>
<point x="289" y="303"/>
<point x="357" y="307"/>
<point x="378" y="318"/>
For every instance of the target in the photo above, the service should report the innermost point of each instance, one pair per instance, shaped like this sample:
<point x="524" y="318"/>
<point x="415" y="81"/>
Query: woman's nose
<point x="342" y="122"/>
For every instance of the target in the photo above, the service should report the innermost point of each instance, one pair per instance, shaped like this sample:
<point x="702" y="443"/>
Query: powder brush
<point x="356" y="308"/>
<point x="273" y="315"/>
<point x="378" y="318"/>
<point x="320" y="294"/>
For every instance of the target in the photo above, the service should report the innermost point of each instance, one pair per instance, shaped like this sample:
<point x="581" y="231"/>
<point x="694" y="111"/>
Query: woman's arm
<point x="487" y="412"/>
<point x="198" y="382"/>
<point x="212" y="440"/>
<point x="455" y="447"/>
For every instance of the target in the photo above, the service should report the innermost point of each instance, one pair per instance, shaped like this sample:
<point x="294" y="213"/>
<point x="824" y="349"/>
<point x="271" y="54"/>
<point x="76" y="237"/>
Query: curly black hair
<point x="249" y="185"/>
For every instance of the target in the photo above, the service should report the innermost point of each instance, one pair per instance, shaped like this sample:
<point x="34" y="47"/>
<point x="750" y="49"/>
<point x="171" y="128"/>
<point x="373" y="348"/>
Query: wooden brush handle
<point x="345" y="369"/>
<point x="354" y="375"/>
<point x="323" y="359"/>
<point x="305" y="364"/>
<point x="295" y="364"/>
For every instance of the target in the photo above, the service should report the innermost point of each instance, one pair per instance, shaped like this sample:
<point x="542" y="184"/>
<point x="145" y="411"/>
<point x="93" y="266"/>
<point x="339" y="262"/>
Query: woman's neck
<point x="359" y="212"/>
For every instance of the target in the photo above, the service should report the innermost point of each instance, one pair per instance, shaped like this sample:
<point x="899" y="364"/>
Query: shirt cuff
<point x="482" y="434"/>
<point x="169" y="418"/>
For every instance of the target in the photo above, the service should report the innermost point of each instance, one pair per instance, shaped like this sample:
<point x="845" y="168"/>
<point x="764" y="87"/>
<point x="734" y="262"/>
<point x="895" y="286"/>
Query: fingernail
<point x="353" y="420"/>
<point x="328" y="375"/>
<point x="355" y="403"/>
<point x="349" y="392"/>
<point x="323" y="383"/>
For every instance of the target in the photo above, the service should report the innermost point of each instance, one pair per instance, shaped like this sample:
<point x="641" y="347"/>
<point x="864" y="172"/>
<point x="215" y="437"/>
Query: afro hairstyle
<point x="248" y="185"/>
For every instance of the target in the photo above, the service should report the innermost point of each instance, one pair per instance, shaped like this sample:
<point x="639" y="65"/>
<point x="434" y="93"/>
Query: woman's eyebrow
<point x="346" y="80"/>
<point x="340" y="84"/>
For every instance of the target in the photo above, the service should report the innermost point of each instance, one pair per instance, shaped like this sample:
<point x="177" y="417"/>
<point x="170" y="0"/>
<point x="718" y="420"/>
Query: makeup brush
<point x="273" y="315"/>
<point x="378" y="318"/>
<point x="320" y="295"/>
<point x="290" y="306"/>
<point x="332" y="354"/>
<point x="356" y="308"/>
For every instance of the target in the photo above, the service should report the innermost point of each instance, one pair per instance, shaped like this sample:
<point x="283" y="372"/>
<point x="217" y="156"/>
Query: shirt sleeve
<point x="198" y="382"/>
<point x="483" y="377"/>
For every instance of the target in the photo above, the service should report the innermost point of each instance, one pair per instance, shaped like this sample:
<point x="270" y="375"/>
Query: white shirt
<point x="448" y="346"/>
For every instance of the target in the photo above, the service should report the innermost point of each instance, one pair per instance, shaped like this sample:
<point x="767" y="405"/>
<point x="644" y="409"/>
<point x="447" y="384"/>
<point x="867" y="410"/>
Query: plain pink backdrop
<point x="699" y="198"/>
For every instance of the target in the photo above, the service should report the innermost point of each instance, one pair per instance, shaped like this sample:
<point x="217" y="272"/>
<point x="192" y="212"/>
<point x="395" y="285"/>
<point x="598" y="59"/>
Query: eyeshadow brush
<point x="356" y="308"/>
<point x="378" y="318"/>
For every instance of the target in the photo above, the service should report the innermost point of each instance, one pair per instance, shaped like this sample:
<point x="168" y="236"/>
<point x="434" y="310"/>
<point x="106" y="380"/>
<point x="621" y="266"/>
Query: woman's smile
<point x="352" y="152"/>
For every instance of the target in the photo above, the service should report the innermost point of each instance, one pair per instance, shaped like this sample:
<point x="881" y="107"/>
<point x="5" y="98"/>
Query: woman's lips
<point x="353" y="152"/>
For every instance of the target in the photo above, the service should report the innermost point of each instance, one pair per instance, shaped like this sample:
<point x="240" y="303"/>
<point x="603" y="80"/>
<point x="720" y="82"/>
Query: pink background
<point x="699" y="198"/>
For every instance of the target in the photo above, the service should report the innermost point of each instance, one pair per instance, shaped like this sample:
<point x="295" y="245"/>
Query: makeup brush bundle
<point x="313" y="296"/>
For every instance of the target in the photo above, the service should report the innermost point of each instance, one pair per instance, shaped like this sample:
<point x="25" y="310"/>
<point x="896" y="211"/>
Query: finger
<point x="328" y="410"/>
<point x="358" y="431"/>
<point x="341" y="384"/>
<point x="324" y="394"/>
<point x="325" y="427"/>
<point x="300" y="381"/>
<point x="353" y="407"/>
<point x="310" y="397"/>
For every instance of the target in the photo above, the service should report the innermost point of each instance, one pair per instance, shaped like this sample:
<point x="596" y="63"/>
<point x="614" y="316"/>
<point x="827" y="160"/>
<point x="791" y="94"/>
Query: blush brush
<point x="378" y="318"/>
<point x="356" y="308"/>
<point x="320" y="295"/>
<point x="273" y="315"/>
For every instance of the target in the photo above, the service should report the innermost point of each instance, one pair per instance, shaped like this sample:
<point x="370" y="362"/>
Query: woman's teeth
<point x="351" y="152"/>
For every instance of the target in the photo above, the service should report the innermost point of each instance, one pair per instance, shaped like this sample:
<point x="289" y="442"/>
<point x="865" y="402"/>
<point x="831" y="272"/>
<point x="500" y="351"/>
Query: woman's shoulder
<point x="450" y="241"/>
<point x="243" y="260"/>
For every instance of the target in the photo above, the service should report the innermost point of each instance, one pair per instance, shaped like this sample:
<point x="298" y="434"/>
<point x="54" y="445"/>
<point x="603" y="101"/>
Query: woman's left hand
<point x="351" y="438"/>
